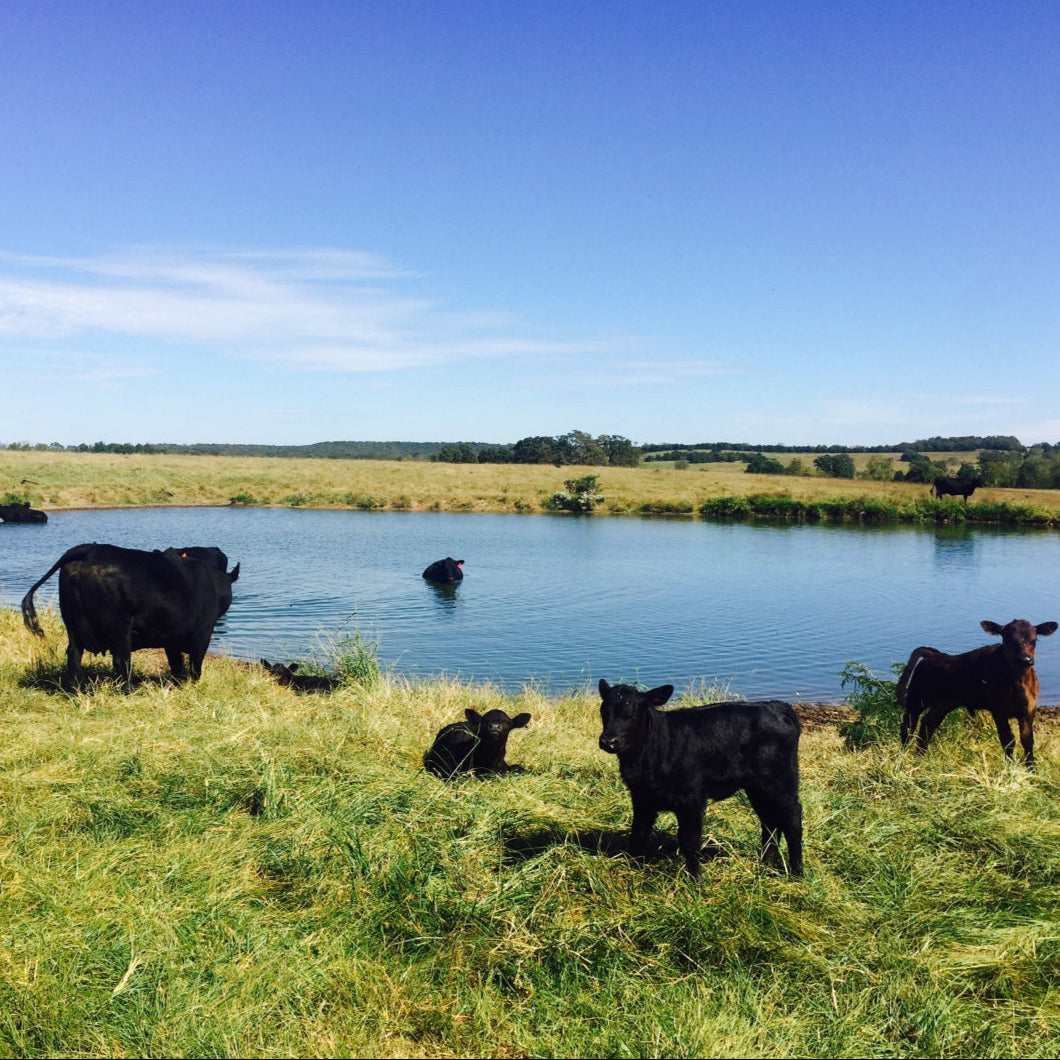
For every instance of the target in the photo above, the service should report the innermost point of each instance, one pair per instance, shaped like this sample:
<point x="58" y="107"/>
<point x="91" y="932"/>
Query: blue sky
<point x="769" y="222"/>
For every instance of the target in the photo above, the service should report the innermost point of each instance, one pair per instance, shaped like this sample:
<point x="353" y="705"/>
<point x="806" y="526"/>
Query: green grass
<point x="230" y="869"/>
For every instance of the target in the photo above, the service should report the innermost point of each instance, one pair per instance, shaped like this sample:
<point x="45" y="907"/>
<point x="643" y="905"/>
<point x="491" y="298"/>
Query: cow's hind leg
<point x="123" y="667"/>
<point x="196" y="654"/>
<point x="690" y="837"/>
<point x="932" y="720"/>
<point x="910" y="717"/>
<point x="778" y="814"/>
<point x="175" y="658"/>
<point x="72" y="675"/>
<point x="792" y="828"/>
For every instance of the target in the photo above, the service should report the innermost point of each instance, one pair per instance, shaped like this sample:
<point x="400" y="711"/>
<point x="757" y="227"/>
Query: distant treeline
<point x="322" y="450"/>
<point x="1034" y="468"/>
<point x="574" y="447"/>
<point x="954" y="444"/>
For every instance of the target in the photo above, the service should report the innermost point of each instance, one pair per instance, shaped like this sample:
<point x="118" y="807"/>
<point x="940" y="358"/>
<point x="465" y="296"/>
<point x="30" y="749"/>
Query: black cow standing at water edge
<point x="679" y="759"/>
<point x="119" y="600"/>
<point x="444" y="571"/>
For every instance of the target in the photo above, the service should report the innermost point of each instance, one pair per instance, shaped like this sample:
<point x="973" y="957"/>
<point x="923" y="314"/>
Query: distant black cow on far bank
<point x="955" y="487"/>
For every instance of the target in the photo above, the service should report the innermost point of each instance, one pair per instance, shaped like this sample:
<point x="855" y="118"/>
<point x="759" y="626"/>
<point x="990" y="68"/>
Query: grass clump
<point x="223" y="868"/>
<point x="877" y="713"/>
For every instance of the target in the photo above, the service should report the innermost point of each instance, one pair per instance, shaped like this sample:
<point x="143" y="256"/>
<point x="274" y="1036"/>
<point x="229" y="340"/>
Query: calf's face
<point x="623" y="711"/>
<point x="495" y="725"/>
<point x="1019" y="639"/>
<point x="283" y="675"/>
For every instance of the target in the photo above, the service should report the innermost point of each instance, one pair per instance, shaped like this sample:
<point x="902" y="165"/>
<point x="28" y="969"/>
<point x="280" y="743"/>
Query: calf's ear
<point x="472" y="715"/>
<point x="1046" y="629"/>
<point x="520" y="721"/>
<point x="656" y="697"/>
<point x="991" y="627"/>
<point x="604" y="687"/>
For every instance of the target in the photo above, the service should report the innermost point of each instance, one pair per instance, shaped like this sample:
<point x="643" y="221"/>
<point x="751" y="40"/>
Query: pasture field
<point x="229" y="869"/>
<point x="54" y="480"/>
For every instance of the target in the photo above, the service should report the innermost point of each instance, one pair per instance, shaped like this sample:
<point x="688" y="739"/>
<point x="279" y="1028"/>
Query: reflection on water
<point x="445" y="595"/>
<point x="564" y="601"/>
<point x="954" y="546"/>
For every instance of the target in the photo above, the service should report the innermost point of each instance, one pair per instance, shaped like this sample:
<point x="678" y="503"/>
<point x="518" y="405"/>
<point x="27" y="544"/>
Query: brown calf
<point x="999" y="678"/>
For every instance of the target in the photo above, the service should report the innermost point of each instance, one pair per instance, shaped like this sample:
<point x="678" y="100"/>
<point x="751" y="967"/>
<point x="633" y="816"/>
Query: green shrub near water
<point x="877" y="716"/>
<point x="227" y="868"/>
<point x="874" y="510"/>
<point x="580" y="496"/>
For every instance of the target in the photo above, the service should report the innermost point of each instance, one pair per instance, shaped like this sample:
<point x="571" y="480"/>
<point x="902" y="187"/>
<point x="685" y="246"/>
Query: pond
<point x="768" y="610"/>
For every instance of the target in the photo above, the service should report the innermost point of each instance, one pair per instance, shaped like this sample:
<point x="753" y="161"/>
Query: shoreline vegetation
<point x="228" y="868"/>
<point x="67" y="480"/>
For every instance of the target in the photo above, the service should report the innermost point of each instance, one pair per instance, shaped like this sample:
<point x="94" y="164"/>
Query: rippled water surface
<point x="772" y="611"/>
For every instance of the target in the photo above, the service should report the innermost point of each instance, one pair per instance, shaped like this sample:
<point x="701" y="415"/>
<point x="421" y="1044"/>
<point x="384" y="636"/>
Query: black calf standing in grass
<point x="678" y="759"/>
<point x="477" y="745"/>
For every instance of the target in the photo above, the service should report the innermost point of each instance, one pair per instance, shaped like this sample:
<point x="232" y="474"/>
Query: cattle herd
<point x="119" y="600"/>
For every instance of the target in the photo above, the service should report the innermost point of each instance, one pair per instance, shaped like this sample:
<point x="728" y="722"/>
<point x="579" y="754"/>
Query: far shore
<point x="64" y="481"/>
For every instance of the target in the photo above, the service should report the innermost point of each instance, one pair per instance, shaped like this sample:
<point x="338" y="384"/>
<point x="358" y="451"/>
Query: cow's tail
<point x="29" y="612"/>
<point x="901" y="690"/>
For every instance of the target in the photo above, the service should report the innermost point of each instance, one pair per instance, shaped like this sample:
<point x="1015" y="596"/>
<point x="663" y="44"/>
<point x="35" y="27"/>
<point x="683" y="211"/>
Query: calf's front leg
<point x="1027" y="739"/>
<point x="644" y="813"/>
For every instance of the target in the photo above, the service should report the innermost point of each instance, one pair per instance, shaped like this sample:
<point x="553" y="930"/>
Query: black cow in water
<point x="123" y="599"/>
<point x="955" y="487"/>
<point x="443" y="571"/>
<point x="678" y="759"/>
<point x="21" y="512"/>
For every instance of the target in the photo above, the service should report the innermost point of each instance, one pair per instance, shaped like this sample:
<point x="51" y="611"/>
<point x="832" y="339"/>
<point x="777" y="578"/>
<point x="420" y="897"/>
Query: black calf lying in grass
<point x="287" y="676"/>
<point x="476" y="745"/>
<point x="678" y="759"/>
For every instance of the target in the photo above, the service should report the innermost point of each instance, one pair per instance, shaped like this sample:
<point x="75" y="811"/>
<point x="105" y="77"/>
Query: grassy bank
<point x="229" y="869"/>
<point x="91" y="480"/>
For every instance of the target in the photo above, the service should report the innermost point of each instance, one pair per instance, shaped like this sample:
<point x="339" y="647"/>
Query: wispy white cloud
<point x="317" y="308"/>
